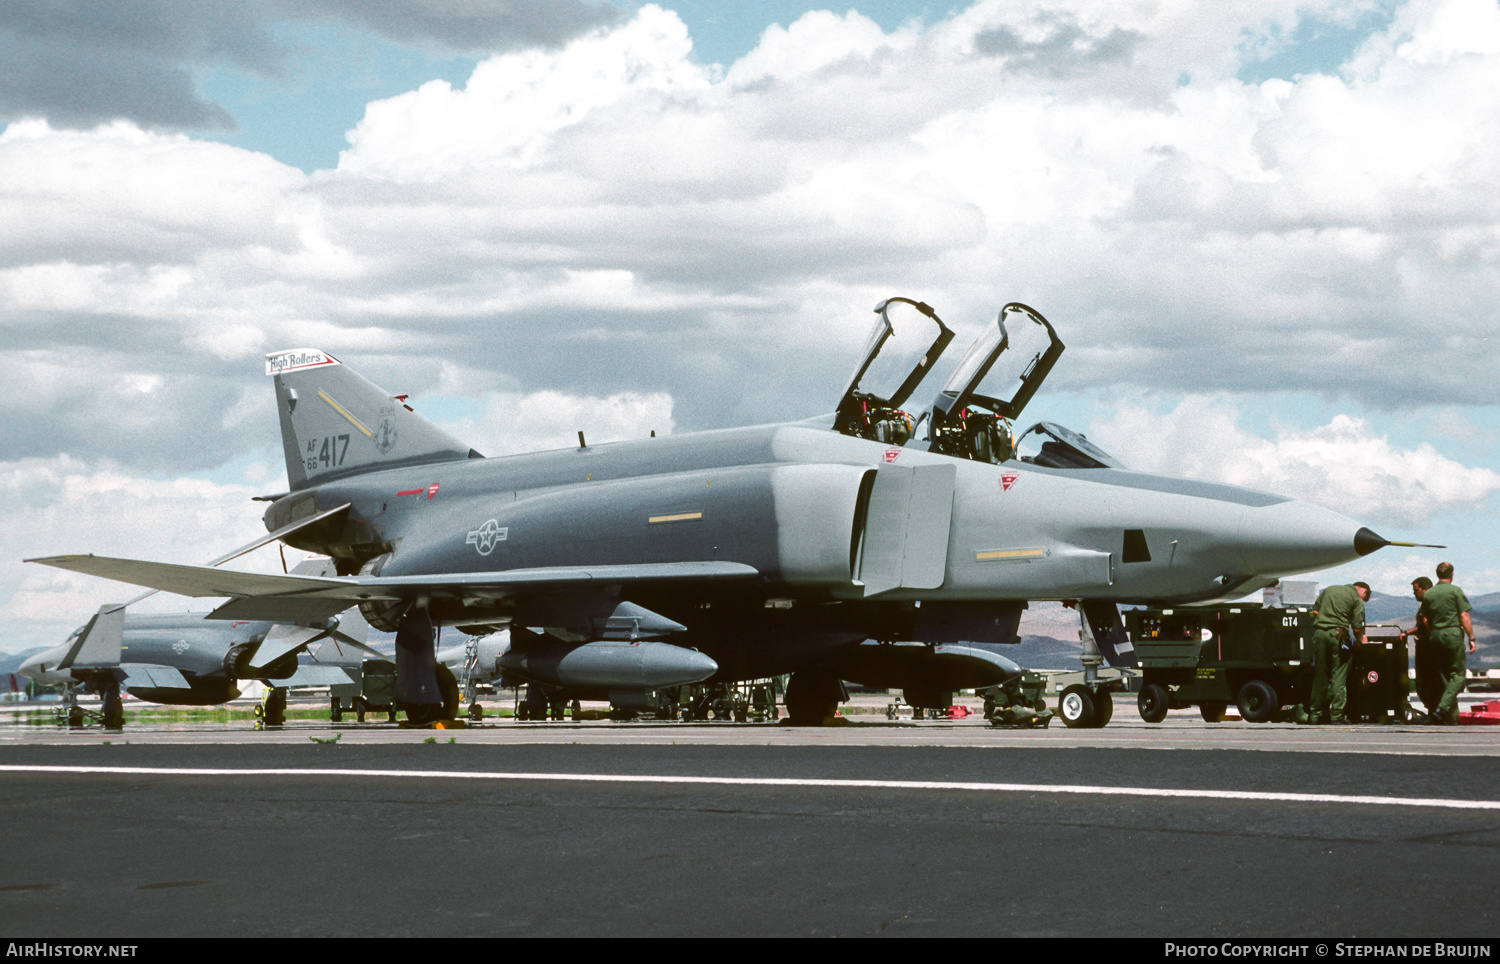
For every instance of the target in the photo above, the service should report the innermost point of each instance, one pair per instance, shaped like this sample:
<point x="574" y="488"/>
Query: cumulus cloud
<point x="64" y="504"/>
<point x="1346" y="465"/>
<point x="78" y="63"/>
<point x="552" y="420"/>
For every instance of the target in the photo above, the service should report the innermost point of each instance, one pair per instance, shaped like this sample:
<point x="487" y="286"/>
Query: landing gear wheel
<point x="577" y="710"/>
<point x="275" y="707"/>
<point x="335" y="711"/>
<point x="812" y="698"/>
<point x="1212" y="712"/>
<point x="1258" y="702"/>
<point x="448" y="688"/>
<point x="476" y="712"/>
<point x="75" y="716"/>
<point x="1076" y="707"/>
<point x="1152" y="702"/>
<point x="1104" y="708"/>
<point x="421" y="714"/>
<point x="534" y="705"/>
<point x="114" y="710"/>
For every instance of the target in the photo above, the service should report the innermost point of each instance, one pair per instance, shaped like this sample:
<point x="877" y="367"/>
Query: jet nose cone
<point x="1366" y="542"/>
<point x="1292" y="537"/>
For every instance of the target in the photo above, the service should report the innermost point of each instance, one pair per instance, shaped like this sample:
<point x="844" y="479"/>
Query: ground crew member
<point x="1446" y="610"/>
<point x="1429" y="679"/>
<point x="1339" y="608"/>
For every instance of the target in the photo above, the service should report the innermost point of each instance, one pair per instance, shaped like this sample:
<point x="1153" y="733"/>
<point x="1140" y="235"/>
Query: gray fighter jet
<point x="190" y="659"/>
<point x="808" y="548"/>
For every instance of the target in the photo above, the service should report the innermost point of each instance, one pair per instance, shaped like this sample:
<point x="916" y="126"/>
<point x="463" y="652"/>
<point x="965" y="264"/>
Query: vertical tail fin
<point x="336" y="423"/>
<point x="100" y="641"/>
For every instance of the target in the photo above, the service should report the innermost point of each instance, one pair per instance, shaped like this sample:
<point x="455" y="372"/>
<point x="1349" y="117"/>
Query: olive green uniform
<point x="1429" y="675"/>
<point x="1443" y="607"/>
<point x="1337" y="607"/>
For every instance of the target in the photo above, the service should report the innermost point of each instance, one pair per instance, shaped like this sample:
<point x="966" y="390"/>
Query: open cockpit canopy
<point x="994" y="380"/>
<point x="1063" y="448"/>
<point x="907" y="339"/>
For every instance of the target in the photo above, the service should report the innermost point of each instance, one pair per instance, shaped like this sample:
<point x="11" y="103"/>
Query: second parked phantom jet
<point x="190" y="659"/>
<point x="742" y="553"/>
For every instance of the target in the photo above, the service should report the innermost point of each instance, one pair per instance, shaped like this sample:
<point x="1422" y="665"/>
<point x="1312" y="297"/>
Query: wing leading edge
<point x="295" y="598"/>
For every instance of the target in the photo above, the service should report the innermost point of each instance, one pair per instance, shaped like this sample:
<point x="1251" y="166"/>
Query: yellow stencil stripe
<point x="679" y="517"/>
<point x="340" y="409"/>
<point x="1009" y="554"/>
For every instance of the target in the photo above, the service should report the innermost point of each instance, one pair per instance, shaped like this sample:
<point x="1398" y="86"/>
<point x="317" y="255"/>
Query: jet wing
<point x="302" y="599"/>
<point x="152" y="676"/>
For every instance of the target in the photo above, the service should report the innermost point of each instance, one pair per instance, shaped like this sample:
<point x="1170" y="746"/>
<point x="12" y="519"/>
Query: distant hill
<point x="10" y="662"/>
<point x="1386" y="608"/>
<point x="1488" y="603"/>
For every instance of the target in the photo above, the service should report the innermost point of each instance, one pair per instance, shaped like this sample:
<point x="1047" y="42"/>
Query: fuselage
<point x="795" y="501"/>
<point x="192" y="644"/>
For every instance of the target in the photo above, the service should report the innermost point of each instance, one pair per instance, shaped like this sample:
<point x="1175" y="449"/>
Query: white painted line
<point x="775" y="782"/>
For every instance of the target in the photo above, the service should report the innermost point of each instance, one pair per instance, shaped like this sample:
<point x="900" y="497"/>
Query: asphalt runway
<point x="1178" y="830"/>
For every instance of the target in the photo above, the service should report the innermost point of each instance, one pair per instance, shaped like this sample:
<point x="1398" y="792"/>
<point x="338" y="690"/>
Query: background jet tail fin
<point x="99" y="643"/>
<point x="335" y="422"/>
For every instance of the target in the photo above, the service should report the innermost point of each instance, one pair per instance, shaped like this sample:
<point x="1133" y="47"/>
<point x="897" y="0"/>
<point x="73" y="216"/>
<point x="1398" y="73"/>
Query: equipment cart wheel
<point x="1258" y="702"/>
<point x="1213" y="711"/>
<point x="1104" y="708"/>
<point x="1152" y="702"/>
<point x="1076" y="707"/>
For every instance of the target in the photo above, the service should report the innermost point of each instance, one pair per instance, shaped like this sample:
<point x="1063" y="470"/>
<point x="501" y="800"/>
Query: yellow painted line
<point x="679" y="517"/>
<point x="1010" y="554"/>
<point x="340" y="409"/>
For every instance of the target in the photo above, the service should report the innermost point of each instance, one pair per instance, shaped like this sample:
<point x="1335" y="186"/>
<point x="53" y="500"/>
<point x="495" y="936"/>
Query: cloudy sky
<point x="1268" y="230"/>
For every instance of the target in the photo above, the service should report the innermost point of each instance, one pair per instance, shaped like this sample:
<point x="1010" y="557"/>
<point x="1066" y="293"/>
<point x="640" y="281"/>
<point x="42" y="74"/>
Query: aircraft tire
<point x="275" y="706"/>
<point x="812" y="698"/>
<point x="1076" y="707"/>
<point x="448" y="687"/>
<point x="114" y="710"/>
<point x="1104" y="708"/>
<point x="1152" y="702"/>
<point x="421" y="714"/>
<point x="1212" y="711"/>
<point x="1258" y="702"/>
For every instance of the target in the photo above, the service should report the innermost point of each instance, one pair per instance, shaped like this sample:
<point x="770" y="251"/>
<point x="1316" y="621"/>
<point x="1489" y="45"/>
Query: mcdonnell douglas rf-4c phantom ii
<point x="840" y="548"/>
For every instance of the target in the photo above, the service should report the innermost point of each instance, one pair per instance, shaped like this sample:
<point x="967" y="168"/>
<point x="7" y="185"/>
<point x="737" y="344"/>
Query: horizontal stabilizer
<point x="269" y="537"/>
<point x="282" y="641"/>
<point x="152" y="676"/>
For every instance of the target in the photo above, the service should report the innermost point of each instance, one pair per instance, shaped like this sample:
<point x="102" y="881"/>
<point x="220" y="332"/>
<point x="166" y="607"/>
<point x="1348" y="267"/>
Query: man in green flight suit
<point x="1337" y="608"/>
<point x="1446" y="611"/>
<point x="1429" y="680"/>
